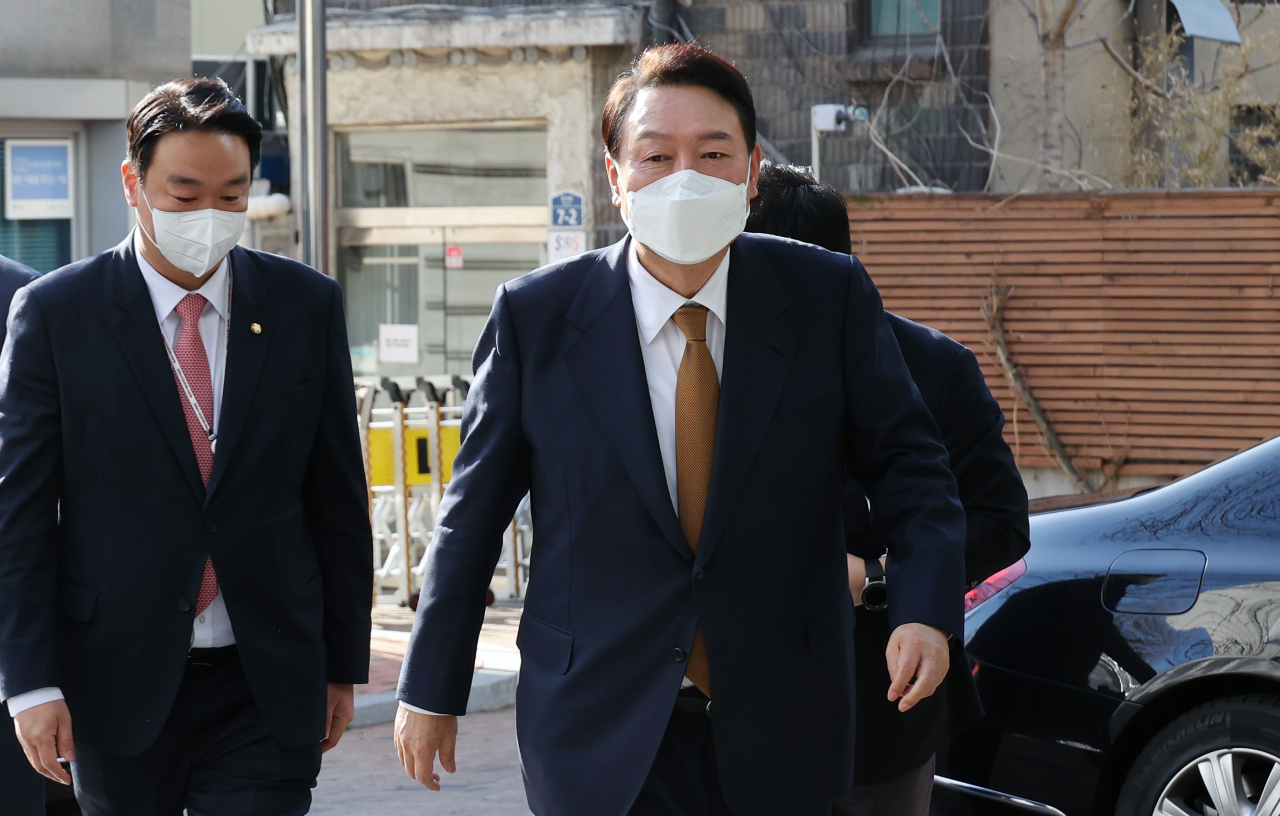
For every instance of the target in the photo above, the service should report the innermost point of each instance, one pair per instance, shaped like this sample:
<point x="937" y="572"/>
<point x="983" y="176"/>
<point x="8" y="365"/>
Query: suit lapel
<point x="608" y="369"/>
<point x="246" y="351"/>
<point x="757" y="357"/>
<point x="138" y="333"/>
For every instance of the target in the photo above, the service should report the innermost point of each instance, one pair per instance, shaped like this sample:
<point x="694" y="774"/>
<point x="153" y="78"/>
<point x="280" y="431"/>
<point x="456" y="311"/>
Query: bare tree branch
<point x="993" y="313"/>
<point x="1076" y="176"/>
<point x="1133" y="72"/>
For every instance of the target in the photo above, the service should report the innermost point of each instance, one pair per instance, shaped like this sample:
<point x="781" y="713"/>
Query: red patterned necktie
<point x="195" y="366"/>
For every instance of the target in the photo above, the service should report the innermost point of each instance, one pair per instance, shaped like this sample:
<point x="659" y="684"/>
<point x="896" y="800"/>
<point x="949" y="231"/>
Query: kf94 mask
<point x="687" y="217"/>
<point x="193" y="241"/>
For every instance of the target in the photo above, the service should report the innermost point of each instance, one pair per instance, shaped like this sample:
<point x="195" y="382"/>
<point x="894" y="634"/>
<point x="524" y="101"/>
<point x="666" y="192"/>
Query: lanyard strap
<point x="205" y="425"/>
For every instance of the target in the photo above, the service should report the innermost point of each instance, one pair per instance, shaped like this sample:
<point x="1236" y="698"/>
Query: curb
<point x="490" y="690"/>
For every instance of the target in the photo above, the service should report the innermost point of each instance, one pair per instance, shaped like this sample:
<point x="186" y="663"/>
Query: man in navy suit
<point x="894" y="759"/>
<point x="23" y="788"/>
<point x="185" y="556"/>
<point x="684" y="407"/>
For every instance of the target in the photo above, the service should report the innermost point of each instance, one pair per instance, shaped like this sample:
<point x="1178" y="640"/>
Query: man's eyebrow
<point x="174" y="178"/>
<point x="243" y="178"/>
<point x="709" y="136"/>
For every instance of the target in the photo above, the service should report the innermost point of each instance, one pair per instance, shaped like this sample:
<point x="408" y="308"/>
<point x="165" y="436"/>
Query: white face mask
<point x="194" y="241"/>
<point x="687" y="217"/>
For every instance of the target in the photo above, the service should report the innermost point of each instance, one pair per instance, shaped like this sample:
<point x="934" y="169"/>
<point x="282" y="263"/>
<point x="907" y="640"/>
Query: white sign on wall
<point x="398" y="343"/>
<point x="37" y="178"/>
<point x="563" y="244"/>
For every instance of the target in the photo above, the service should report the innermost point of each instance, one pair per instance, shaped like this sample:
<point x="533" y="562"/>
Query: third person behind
<point x="895" y="750"/>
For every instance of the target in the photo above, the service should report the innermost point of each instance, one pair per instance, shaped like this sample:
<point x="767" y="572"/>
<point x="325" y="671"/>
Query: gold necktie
<point x="697" y="409"/>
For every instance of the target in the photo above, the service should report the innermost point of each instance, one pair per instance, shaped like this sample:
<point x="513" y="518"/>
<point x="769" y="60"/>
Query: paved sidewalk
<point x="363" y="777"/>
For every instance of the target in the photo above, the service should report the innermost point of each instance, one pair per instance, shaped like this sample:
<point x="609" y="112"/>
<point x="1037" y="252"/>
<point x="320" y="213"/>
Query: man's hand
<point x="418" y="737"/>
<point x="45" y="732"/>
<point x="858" y="576"/>
<point x="918" y="661"/>
<point x="342" y="707"/>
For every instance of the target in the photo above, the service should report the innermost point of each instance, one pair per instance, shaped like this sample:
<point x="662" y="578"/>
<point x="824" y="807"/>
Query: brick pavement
<point x="362" y="775"/>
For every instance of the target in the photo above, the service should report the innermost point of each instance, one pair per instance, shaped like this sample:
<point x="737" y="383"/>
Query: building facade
<point x="464" y="153"/>
<point x="70" y="72"/>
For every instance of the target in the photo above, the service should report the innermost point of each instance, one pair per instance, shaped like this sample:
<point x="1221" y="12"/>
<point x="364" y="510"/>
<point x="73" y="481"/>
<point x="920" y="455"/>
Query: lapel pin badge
<point x="256" y="328"/>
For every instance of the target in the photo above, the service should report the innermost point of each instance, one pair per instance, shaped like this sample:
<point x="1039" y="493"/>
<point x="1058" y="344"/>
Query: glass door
<point x="444" y="290"/>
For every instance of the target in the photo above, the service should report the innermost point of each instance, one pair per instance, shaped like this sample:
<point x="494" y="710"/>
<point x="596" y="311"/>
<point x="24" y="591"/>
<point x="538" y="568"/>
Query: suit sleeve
<point x="337" y="505"/>
<point x="894" y="449"/>
<point x="490" y="475"/>
<point x="991" y="489"/>
<point x="30" y="472"/>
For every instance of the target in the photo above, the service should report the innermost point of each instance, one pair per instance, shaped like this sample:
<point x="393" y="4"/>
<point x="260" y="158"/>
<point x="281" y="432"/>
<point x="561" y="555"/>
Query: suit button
<point x="701" y="574"/>
<point x="678" y="654"/>
<point x="210" y="526"/>
<point x="184" y="605"/>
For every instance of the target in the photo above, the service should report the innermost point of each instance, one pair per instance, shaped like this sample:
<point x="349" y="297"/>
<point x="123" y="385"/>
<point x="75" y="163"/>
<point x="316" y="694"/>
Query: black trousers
<point x="683" y="780"/>
<point x="908" y="795"/>
<point x="214" y="757"/>
<point x="21" y="788"/>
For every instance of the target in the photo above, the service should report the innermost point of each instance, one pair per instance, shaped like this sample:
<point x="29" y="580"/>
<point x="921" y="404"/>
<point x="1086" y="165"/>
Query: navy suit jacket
<point x="891" y="743"/>
<point x="23" y="787"/>
<point x="813" y="386"/>
<point x="105" y="523"/>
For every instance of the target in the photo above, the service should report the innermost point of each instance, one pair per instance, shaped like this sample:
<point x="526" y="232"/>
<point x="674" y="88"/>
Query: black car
<point x="1130" y="664"/>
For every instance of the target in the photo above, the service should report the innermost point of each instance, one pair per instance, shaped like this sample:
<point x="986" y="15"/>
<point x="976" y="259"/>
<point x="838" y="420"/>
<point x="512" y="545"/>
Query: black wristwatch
<point x="875" y="592"/>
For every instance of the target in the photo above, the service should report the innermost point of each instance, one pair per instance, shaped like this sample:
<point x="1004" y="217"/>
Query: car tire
<point x="1227" y="748"/>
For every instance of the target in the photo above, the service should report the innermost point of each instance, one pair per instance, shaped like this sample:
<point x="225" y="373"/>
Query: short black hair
<point x="794" y="205"/>
<point x="676" y="65"/>
<point x="205" y="105"/>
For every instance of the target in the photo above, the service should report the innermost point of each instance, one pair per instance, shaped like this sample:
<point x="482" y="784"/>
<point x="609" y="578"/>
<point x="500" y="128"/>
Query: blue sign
<point x="566" y="210"/>
<point x="37" y="178"/>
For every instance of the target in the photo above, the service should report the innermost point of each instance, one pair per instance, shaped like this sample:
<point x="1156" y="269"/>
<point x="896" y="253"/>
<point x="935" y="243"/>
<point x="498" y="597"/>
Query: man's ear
<point x="130" y="180"/>
<point x="611" y="170"/>
<point x="753" y="178"/>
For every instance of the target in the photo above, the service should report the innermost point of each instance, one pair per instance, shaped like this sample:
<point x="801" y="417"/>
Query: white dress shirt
<point x="212" y="628"/>
<point x="662" y="344"/>
<point x="662" y="347"/>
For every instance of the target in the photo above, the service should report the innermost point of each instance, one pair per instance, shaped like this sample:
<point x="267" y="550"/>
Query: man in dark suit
<point x="684" y="407"/>
<point x="185" y="554"/>
<point x="23" y="788"/>
<point x="894" y="758"/>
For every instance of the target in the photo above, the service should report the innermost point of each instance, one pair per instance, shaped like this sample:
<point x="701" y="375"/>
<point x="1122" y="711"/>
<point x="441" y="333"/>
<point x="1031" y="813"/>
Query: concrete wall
<point x="122" y="39"/>
<point x="556" y="93"/>
<point x="218" y="27"/>
<point x="1098" y="118"/>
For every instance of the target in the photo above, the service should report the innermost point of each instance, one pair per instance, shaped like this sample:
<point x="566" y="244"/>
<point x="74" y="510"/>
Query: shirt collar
<point x="165" y="294"/>
<point x="655" y="303"/>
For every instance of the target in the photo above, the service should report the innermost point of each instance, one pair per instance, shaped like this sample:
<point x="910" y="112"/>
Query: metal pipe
<point x="996" y="796"/>
<point x="402" y="502"/>
<point x="313" y="123"/>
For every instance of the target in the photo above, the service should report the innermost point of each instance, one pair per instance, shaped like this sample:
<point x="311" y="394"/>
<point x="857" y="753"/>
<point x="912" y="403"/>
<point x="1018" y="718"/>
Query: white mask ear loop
<point x="141" y="227"/>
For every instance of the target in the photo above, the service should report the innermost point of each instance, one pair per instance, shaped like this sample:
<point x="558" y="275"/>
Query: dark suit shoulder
<point x="285" y="268"/>
<point x="559" y="280"/>
<point x="820" y="266"/>
<point x="14" y="274"/>
<point x="68" y="280"/>
<point x="918" y="337"/>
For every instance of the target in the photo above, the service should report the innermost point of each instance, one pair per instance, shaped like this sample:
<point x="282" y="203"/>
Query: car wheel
<point x="1219" y="759"/>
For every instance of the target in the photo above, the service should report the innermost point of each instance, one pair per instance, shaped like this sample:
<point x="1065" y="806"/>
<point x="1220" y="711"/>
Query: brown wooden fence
<point x="1147" y="325"/>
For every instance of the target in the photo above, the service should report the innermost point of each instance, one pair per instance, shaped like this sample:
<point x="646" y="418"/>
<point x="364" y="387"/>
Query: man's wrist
<point x="19" y="703"/>
<point x="417" y="710"/>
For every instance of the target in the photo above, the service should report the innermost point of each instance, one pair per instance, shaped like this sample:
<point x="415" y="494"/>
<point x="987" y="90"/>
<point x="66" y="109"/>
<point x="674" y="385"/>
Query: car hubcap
<point x="1230" y="782"/>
